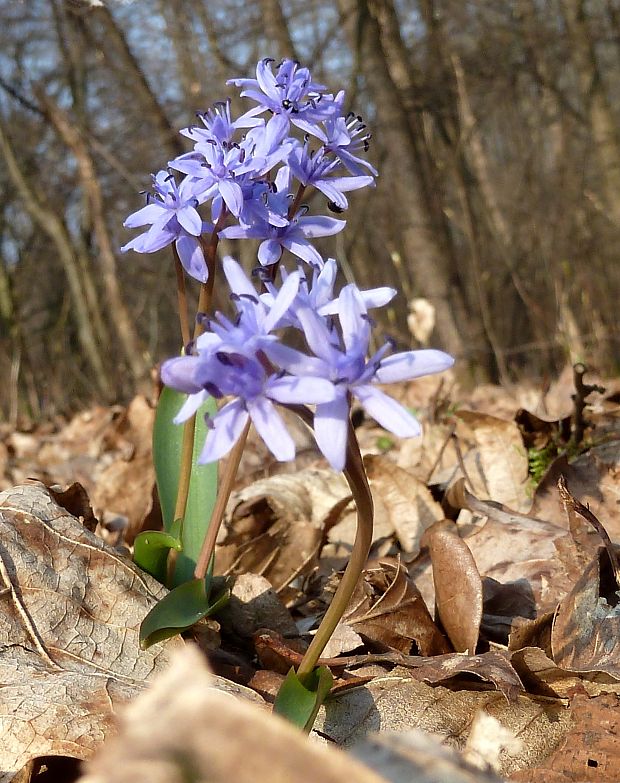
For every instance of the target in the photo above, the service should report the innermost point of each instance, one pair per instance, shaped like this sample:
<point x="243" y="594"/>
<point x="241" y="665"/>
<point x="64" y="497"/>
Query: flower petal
<point x="386" y="411"/>
<point x="148" y="214"/>
<point x="292" y="389"/>
<point x="320" y="226"/>
<point x="412" y="364"/>
<point x="270" y="427"/>
<point x="331" y="424"/>
<point x="285" y="297"/>
<point x="190" y="406"/>
<point x="192" y="257"/>
<point x="355" y="327"/>
<point x="269" y="252"/>
<point x="190" y="220"/>
<point x="228" y="425"/>
<point x="233" y="196"/>
<point x="181" y="374"/>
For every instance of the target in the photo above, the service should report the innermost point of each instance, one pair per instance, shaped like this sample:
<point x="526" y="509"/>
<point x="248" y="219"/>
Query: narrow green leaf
<point x="167" y="442"/>
<point x="179" y="610"/>
<point x="298" y="700"/>
<point x="150" y="550"/>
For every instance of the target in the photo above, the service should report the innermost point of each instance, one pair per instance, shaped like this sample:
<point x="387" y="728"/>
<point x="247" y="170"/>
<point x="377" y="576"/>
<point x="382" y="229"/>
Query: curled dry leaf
<point x="275" y="526"/>
<point x="70" y="611"/>
<point x="458" y="587"/>
<point x="496" y="460"/>
<point x="182" y="729"/>
<point x="511" y="546"/>
<point x="585" y="636"/>
<point x="387" y="608"/>
<point x="405" y="500"/>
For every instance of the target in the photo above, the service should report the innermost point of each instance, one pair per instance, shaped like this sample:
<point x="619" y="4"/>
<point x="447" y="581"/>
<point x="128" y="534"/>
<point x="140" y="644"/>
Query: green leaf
<point x="299" y="699"/>
<point x="150" y="550"/>
<point x="167" y="443"/>
<point x="179" y="610"/>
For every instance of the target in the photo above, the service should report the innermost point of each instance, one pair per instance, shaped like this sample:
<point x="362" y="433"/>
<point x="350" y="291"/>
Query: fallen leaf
<point x="70" y="612"/>
<point x="397" y="702"/>
<point x="398" y="756"/>
<point x="585" y="636"/>
<point x="458" y="587"/>
<point x="590" y="749"/>
<point x="184" y="729"/>
<point x="495" y="458"/>
<point x="404" y="499"/>
<point x="387" y="608"/>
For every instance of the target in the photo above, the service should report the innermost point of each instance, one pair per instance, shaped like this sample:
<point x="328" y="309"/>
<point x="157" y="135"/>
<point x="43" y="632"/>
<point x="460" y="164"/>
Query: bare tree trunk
<point x="381" y="55"/>
<point x="55" y="228"/>
<point x="119" y="55"/>
<point x="277" y="30"/>
<point x="121" y="319"/>
<point x="605" y="139"/>
<point x="182" y="34"/>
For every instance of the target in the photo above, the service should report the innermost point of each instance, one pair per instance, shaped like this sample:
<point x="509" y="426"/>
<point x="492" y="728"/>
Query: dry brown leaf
<point x="387" y="608"/>
<point x="275" y="526"/>
<point x="512" y="546"/>
<point x="502" y="604"/>
<point x="594" y="478"/>
<point x="542" y="676"/>
<point x="589" y="751"/>
<point x="585" y="636"/>
<point x="496" y="460"/>
<point x="182" y="729"/>
<point x="396" y="756"/>
<point x="70" y="612"/>
<point x="458" y="587"/>
<point x="397" y="702"/>
<point x="404" y="499"/>
<point x="254" y="604"/>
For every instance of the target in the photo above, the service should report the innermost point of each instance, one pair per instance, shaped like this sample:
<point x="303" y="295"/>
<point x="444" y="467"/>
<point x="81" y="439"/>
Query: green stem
<point x="356" y="477"/>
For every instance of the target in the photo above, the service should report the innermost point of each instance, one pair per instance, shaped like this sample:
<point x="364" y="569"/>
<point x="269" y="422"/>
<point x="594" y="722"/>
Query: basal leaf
<point x="299" y="699"/>
<point x="150" y="550"/>
<point x="167" y="444"/>
<point x="179" y="610"/>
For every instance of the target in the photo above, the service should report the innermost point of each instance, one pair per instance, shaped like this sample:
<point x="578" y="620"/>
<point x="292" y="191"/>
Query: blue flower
<point x="223" y="373"/>
<point x="317" y="168"/>
<point x="290" y="93"/>
<point x="294" y="237"/>
<point x="171" y="212"/>
<point x="342" y="360"/>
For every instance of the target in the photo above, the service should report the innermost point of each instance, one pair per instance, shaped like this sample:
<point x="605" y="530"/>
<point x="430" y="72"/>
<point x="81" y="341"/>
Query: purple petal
<point x="412" y="364"/>
<point x="265" y="78"/>
<point x="331" y="424"/>
<point x="270" y="427"/>
<point x="192" y="257"/>
<point x="151" y="241"/>
<point x="228" y="425"/>
<point x="148" y="214"/>
<point x="320" y="226"/>
<point x="237" y="279"/>
<point x="190" y="220"/>
<point x="190" y="406"/>
<point x="317" y="334"/>
<point x="386" y="411"/>
<point x="355" y="328"/>
<point x="303" y="250"/>
<point x="295" y="361"/>
<point x="351" y="183"/>
<point x="285" y="297"/>
<point x="181" y="373"/>
<point x="269" y="252"/>
<point x="233" y="196"/>
<point x="307" y="391"/>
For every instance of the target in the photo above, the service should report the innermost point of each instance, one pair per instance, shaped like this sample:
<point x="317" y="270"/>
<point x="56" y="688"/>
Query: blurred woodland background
<point x="495" y="130"/>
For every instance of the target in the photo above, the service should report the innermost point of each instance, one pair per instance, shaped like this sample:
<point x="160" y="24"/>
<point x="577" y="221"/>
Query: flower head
<point x="171" y="212"/>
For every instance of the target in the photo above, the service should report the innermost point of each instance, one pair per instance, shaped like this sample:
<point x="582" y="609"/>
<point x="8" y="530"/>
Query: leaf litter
<point x="487" y="616"/>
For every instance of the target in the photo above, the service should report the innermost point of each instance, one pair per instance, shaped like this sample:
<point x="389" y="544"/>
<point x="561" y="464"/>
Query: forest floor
<point x="489" y="613"/>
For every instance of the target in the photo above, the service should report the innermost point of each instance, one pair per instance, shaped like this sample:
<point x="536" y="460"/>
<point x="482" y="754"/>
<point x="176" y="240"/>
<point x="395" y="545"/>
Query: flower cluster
<point x="245" y="168"/>
<point x="254" y="173"/>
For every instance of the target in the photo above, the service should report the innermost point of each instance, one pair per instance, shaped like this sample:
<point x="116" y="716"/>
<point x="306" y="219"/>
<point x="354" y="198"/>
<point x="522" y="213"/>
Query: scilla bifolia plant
<point x="254" y="172"/>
